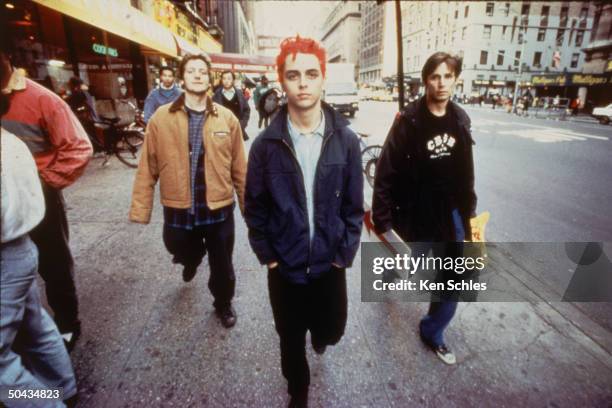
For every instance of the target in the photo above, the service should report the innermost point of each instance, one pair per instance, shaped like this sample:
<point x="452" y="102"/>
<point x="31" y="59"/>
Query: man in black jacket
<point x="304" y="210"/>
<point x="424" y="185"/>
<point x="233" y="99"/>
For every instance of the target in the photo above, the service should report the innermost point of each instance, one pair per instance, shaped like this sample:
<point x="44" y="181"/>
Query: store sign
<point x="609" y="66"/>
<point x="481" y="82"/>
<point x="571" y="79"/>
<point x="549" y="80"/>
<point x="588" y="79"/>
<point x="498" y="83"/>
<point x="101" y="49"/>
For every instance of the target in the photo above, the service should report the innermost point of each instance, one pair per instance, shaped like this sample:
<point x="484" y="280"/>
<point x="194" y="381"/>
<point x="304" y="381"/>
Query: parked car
<point x="603" y="114"/>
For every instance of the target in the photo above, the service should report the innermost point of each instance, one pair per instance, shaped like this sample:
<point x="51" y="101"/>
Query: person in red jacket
<point x="61" y="150"/>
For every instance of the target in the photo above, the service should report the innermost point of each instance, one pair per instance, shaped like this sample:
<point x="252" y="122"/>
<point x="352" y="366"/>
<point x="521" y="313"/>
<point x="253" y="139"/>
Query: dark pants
<point x="319" y="306"/>
<point x="55" y="263"/>
<point x="263" y="118"/>
<point x="442" y="311"/>
<point x="189" y="247"/>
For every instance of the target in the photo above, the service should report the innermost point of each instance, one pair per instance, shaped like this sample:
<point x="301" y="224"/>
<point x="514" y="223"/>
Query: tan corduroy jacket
<point x="165" y="156"/>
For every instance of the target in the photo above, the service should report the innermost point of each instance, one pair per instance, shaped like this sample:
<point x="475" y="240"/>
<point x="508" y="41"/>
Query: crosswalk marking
<point x="538" y="133"/>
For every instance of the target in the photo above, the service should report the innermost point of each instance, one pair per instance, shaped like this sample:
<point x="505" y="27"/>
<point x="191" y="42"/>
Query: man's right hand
<point x="272" y="265"/>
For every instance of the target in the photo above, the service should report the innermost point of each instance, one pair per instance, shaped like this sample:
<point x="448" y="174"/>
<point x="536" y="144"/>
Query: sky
<point x="288" y="18"/>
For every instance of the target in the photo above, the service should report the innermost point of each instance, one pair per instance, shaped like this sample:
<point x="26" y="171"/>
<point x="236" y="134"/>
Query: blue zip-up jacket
<point x="158" y="97"/>
<point x="275" y="200"/>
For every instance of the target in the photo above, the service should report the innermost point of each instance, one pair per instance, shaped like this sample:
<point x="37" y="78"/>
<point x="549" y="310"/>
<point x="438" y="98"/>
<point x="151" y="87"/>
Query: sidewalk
<point x="151" y="340"/>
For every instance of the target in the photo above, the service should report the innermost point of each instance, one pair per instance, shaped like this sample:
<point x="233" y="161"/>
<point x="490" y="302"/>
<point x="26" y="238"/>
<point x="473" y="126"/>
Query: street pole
<point x="400" y="56"/>
<point x="520" y="72"/>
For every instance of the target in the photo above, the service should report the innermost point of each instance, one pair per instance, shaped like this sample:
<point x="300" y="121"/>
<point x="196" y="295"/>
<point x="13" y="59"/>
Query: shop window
<point x="487" y="32"/>
<point x="575" y="58"/>
<point x="490" y="8"/>
<point x="541" y="34"/>
<point x="483" y="57"/>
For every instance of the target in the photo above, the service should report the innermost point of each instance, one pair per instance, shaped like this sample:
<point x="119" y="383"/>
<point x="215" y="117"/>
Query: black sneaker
<point x="320" y="350"/>
<point x="227" y="316"/>
<point x="189" y="271"/>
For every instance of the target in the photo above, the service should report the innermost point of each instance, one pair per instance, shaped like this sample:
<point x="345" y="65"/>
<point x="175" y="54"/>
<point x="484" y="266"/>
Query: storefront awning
<point x="242" y="62"/>
<point x="184" y="47"/>
<point x="119" y="18"/>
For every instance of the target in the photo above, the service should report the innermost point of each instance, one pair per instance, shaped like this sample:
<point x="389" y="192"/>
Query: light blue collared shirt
<point x="307" y="148"/>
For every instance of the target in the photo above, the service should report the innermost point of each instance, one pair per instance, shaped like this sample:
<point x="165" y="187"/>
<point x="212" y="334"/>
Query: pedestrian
<point x="233" y="99"/>
<point x="269" y="104"/>
<point x="198" y="181"/>
<point x="166" y="92"/>
<point x="82" y="104"/>
<point x="259" y="91"/>
<point x="424" y="185"/>
<point x="246" y="92"/>
<point x="304" y="211"/>
<point x="32" y="352"/>
<point x="61" y="149"/>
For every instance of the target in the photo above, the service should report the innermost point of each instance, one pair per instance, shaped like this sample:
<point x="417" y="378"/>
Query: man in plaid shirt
<point x="195" y="148"/>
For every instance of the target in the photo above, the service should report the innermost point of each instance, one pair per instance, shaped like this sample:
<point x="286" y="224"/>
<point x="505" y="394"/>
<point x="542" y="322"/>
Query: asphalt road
<point x="150" y="340"/>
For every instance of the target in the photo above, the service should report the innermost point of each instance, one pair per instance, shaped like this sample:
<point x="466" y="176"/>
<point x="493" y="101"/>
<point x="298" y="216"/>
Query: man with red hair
<point x="304" y="210"/>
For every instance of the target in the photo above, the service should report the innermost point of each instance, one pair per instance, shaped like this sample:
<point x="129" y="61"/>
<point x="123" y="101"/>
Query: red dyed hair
<point x="297" y="44"/>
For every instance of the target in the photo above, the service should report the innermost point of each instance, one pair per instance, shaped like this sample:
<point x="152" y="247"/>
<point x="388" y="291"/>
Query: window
<point x="579" y="37"/>
<point x="504" y="32"/>
<point x="537" y="59"/>
<point x="483" y="57"/>
<point x="575" y="58"/>
<point x="583" y="17"/>
<point x="467" y="11"/>
<point x="517" y="58"/>
<point x="487" y="32"/>
<point x="560" y="35"/>
<point x="525" y="10"/>
<point x="490" y="7"/>
<point x="544" y="16"/>
<point x="456" y="14"/>
<point x="463" y="32"/>
<point x="541" y="34"/>
<point x="563" y="18"/>
<point x="506" y="9"/>
<point x="500" y="57"/>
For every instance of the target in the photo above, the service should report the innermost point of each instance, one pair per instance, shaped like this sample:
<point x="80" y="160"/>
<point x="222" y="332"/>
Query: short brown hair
<point x="438" y="58"/>
<point x="189" y="57"/>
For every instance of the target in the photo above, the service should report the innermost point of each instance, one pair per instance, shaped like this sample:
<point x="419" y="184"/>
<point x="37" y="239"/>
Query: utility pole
<point x="400" y="56"/>
<point x="520" y="72"/>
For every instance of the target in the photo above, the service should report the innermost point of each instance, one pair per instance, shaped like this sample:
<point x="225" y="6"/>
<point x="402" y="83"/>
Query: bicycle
<point x="369" y="158"/>
<point x="123" y="141"/>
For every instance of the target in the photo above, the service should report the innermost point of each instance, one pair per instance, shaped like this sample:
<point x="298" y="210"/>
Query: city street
<point x="149" y="339"/>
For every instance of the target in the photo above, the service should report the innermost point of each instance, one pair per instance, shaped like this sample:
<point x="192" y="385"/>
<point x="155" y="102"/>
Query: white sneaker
<point x="445" y="355"/>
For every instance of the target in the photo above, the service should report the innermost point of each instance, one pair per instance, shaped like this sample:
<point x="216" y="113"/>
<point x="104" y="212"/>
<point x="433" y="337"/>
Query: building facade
<point x="238" y="34"/>
<point x="495" y="39"/>
<point x="340" y="29"/>
<point x="378" y="47"/>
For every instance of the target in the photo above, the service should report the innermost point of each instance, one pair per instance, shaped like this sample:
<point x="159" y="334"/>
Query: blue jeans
<point x="440" y="313"/>
<point x="32" y="353"/>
